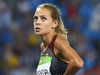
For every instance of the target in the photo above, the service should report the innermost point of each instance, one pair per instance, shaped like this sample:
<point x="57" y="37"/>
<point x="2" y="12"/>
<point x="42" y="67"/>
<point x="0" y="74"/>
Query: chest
<point x="49" y="64"/>
<point x="45" y="63"/>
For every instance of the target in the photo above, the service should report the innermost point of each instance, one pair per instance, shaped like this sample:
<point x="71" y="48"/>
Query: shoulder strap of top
<point x="51" y="45"/>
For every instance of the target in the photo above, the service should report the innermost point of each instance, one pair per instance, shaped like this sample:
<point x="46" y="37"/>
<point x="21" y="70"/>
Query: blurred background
<point x="19" y="46"/>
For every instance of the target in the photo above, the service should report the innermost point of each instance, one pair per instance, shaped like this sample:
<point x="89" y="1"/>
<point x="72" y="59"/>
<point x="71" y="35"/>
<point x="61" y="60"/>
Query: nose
<point x="37" y="22"/>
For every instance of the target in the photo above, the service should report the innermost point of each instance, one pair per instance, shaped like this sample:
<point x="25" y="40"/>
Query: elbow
<point x="77" y="63"/>
<point x="80" y="64"/>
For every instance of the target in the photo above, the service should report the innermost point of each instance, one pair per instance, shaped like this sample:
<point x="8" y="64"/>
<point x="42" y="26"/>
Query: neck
<point x="47" y="39"/>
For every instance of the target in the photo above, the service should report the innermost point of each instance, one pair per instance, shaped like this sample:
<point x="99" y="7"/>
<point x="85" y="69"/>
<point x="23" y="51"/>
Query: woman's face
<point x="43" y="21"/>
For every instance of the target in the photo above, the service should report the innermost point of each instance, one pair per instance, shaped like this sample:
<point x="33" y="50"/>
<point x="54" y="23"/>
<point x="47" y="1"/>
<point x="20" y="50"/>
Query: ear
<point x="55" y="24"/>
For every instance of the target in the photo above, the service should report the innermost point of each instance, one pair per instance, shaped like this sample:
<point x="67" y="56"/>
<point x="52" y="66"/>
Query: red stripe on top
<point x="52" y="43"/>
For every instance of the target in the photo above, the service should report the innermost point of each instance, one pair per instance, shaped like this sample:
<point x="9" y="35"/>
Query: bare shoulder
<point x="61" y="41"/>
<point x="62" y="46"/>
<point x="41" y="46"/>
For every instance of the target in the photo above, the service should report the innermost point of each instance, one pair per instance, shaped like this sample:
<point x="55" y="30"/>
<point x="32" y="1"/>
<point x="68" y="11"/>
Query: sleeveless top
<point x="49" y="64"/>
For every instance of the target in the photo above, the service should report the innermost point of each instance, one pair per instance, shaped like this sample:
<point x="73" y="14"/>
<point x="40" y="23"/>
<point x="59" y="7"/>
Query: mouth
<point x="37" y="29"/>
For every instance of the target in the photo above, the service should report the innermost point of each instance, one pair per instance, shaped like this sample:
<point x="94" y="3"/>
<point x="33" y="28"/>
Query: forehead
<point x="42" y="11"/>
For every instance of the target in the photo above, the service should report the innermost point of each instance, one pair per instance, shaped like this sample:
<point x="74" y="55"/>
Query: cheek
<point x="47" y="26"/>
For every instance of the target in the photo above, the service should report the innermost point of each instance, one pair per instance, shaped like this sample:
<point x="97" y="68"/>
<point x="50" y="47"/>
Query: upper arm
<point x="64" y="48"/>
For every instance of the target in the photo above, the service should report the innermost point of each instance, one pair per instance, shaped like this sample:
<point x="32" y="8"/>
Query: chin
<point x="37" y="33"/>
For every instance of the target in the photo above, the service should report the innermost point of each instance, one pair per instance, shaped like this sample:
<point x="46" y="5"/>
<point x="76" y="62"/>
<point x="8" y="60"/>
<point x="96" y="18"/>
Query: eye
<point x="35" y="18"/>
<point x="43" y="18"/>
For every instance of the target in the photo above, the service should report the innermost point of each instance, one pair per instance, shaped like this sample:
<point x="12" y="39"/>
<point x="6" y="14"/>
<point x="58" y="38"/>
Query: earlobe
<point x="53" y="27"/>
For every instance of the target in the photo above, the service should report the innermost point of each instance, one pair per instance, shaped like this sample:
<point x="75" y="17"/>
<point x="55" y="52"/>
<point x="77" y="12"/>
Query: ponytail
<point x="60" y="29"/>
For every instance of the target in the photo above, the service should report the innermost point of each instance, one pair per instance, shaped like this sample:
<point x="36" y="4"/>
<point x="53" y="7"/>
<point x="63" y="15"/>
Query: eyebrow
<point x="41" y="15"/>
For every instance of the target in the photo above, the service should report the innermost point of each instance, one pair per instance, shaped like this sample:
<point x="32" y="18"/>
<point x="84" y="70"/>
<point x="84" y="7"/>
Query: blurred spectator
<point x="94" y="27"/>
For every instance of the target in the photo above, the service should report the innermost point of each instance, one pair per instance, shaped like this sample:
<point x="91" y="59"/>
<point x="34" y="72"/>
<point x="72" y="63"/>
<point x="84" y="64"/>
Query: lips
<point x="37" y="29"/>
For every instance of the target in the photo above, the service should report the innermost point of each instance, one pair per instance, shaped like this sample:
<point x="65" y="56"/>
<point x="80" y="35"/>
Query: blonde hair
<point x="56" y="15"/>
